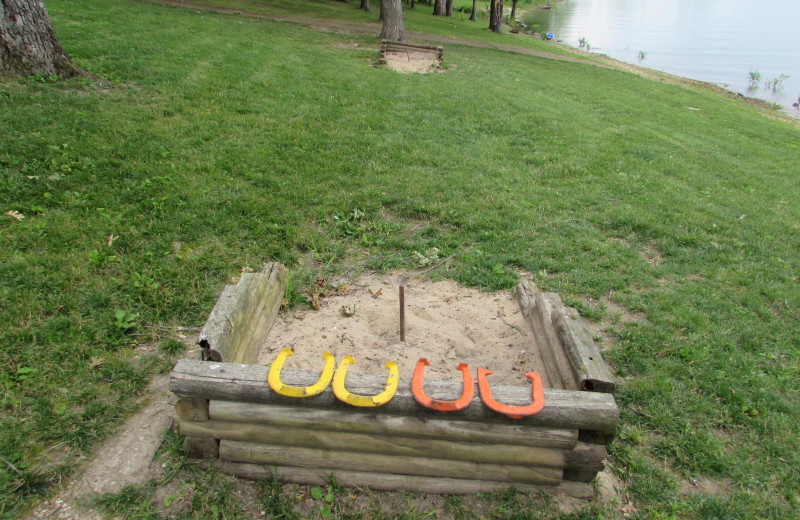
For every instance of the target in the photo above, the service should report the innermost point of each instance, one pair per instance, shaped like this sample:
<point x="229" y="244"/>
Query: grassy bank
<point x="218" y="142"/>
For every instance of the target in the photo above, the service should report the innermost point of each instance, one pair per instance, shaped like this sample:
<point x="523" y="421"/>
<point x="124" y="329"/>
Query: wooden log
<point x="410" y="45"/>
<point x="248" y="383"/>
<point x="587" y="363"/>
<point x="382" y="424"/>
<point x="192" y="409"/>
<point x="525" y="293"/>
<point x="584" y="455"/>
<point x="201" y="447"/>
<point x="581" y="474"/>
<point x="544" y="303"/>
<point x="596" y="437"/>
<point x="324" y="459"/>
<point x="389" y="482"/>
<point x="244" y="315"/>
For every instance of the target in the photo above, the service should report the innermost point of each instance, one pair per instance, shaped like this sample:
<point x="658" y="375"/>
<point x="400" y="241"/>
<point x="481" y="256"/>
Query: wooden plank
<point x="248" y="383"/>
<point x="582" y="456"/>
<point x="237" y="451"/>
<point x="384" y="424"/>
<point x="201" y="447"/>
<point x="544" y="303"/>
<point x="587" y="363"/>
<point x="244" y="315"/>
<point x="525" y="293"/>
<point x="192" y="409"/>
<point x="389" y="482"/>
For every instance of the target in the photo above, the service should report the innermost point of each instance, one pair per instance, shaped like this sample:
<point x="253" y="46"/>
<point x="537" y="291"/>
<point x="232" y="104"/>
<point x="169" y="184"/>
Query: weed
<point x="754" y="78"/>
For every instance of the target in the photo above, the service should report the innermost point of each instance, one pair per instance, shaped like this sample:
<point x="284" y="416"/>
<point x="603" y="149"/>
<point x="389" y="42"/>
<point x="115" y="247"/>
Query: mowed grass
<point x="219" y="142"/>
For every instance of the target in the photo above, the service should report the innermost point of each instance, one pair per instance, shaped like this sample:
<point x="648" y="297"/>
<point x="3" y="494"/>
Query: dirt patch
<point x="445" y="323"/>
<point x="410" y="61"/>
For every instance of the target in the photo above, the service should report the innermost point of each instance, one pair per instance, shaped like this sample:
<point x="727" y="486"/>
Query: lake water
<point x="718" y="41"/>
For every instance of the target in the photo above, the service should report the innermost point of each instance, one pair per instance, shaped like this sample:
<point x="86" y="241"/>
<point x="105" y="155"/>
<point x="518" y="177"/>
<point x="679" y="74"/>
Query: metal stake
<point x="402" y="313"/>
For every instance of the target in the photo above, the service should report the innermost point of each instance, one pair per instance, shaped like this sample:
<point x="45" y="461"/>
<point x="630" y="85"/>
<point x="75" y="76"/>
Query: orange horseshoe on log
<point x="515" y="412"/>
<point x="438" y="404"/>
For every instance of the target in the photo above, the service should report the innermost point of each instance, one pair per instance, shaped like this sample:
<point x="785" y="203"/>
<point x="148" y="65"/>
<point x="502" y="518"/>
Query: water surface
<point x="718" y="41"/>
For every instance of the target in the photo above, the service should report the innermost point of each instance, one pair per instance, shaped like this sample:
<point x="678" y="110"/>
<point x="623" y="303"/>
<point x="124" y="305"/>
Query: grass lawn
<point x="217" y="142"/>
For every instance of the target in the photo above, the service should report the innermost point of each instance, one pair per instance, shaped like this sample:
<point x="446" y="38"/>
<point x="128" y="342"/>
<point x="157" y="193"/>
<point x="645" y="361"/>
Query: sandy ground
<point x="412" y="61"/>
<point x="446" y="323"/>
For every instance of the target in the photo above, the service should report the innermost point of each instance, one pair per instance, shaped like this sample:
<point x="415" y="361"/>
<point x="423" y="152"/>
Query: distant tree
<point x="438" y="7"/>
<point x="392" y="18"/>
<point x="28" y="42"/>
<point x="496" y="16"/>
<point x="474" y="15"/>
<point x="513" y="10"/>
<point x="364" y="5"/>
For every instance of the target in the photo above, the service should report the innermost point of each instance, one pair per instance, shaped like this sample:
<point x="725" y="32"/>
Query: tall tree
<point x="496" y="16"/>
<point x="448" y="8"/>
<point x="474" y="15"/>
<point x="392" y="18"/>
<point x="364" y="5"/>
<point x="28" y="42"/>
<point x="513" y="10"/>
<point x="438" y="7"/>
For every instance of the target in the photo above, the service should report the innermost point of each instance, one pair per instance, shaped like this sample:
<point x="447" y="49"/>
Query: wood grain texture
<point x="192" y="409"/>
<point x="384" y="424"/>
<point x="244" y="315"/>
<point x="590" y="456"/>
<point x="324" y="459"/>
<point x="590" y="370"/>
<point x="248" y="383"/>
<point x="389" y="482"/>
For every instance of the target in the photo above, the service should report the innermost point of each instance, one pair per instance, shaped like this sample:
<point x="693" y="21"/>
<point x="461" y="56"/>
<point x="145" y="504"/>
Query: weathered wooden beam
<point x="201" y="447"/>
<point x="244" y="315"/>
<point x="325" y="459"/>
<point x="584" y="455"/>
<point x="384" y="424"/>
<point x="390" y="482"/>
<point x="248" y="383"/>
<point x="192" y="409"/>
<point x="587" y="363"/>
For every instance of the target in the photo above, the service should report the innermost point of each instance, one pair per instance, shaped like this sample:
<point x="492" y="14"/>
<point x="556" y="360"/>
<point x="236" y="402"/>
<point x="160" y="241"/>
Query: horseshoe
<point x="439" y="404"/>
<point x="364" y="401"/>
<point x="274" y="377"/>
<point x="515" y="412"/>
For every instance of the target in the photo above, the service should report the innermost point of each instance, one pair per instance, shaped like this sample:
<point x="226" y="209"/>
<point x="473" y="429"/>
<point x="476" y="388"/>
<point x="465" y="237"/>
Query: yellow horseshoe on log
<point x="364" y="401"/>
<point x="274" y="377"/>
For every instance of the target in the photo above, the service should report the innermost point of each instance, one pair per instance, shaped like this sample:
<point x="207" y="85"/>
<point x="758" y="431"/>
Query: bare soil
<point x="446" y="323"/>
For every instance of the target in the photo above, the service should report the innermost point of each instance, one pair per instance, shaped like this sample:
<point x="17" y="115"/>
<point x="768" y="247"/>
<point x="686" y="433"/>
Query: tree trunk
<point x="413" y="3"/>
<point x="496" y="16"/>
<point x="438" y="8"/>
<point x="364" y="5"/>
<point x="513" y="10"/>
<point x="28" y="42"/>
<point x="448" y="8"/>
<point x="392" y="17"/>
<point x="474" y="15"/>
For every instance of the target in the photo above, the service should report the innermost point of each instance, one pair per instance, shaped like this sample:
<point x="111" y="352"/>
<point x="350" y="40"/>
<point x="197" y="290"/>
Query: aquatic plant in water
<point x="755" y="78"/>
<point x="642" y="55"/>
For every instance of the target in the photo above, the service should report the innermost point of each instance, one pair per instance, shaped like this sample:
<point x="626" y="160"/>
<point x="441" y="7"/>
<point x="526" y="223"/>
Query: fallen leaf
<point x="111" y="239"/>
<point x="348" y="310"/>
<point x="95" y="362"/>
<point x="376" y="294"/>
<point x="15" y="214"/>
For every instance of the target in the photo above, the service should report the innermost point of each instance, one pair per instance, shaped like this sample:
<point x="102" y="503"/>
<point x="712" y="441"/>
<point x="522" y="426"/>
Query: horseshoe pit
<point x="441" y="432"/>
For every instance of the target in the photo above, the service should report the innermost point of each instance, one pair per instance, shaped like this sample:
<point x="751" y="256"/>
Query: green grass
<point x="219" y="142"/>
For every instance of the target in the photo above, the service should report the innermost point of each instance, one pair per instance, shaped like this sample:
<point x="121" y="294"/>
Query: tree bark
<point x="438" y="8"/>
<point x="28" y="42"/>
<point x="513" y="10"/>
<point x="392" y="18"/>
<point x="474" y="15"/>
<point x="448" y="8"/>
<point x="364" y="5"/>
<point x="496" y="16"/>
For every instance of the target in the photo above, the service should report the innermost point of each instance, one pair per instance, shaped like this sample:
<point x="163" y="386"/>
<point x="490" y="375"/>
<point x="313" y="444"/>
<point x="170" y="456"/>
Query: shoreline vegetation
<point x="232" y="133"/>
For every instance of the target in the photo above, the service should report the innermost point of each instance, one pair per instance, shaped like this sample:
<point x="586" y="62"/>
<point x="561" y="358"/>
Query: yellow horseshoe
<point x="364" y="401"/>
<point x="274" y="377"/>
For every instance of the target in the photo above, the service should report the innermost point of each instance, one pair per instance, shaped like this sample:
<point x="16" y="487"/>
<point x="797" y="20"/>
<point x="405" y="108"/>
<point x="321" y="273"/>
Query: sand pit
<point x="446" y="323"/>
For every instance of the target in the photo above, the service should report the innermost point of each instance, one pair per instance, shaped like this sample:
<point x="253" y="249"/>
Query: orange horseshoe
<point x="438" y="404"/>
<point x="515" y="412"/>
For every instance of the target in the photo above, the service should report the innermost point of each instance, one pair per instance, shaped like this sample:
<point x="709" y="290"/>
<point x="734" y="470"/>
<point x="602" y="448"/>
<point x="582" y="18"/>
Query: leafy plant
<point x="754" y="77"/>
<point x="327" y="497"/>
<point x="125" y="320"/>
